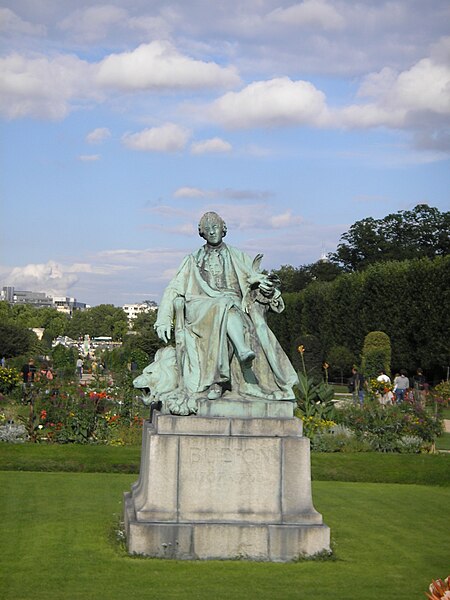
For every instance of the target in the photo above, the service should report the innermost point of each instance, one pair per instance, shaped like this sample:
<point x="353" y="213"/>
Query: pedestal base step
<point x="219" y="541"/>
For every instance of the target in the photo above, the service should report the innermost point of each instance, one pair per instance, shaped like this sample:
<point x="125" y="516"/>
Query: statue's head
<point x="212" y="228"/>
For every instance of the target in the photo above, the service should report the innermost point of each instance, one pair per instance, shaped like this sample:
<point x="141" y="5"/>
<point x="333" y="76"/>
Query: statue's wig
<point x="211" y="217"/>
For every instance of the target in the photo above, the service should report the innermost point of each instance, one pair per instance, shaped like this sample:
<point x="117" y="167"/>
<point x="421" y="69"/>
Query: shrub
<point x="441" y="394"/>
<point x="70" y="412"/>
<point x="338" y="442"/>
<point x="385" y="427"/>
<point x="13" y="433"/>
<point x="9" y="379"/>
<point x="376" y="354"/>
<point x="315" y="424"/>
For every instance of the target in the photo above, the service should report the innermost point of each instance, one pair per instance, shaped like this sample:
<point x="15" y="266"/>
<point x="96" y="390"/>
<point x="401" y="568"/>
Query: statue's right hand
<point x="163" y="332"/>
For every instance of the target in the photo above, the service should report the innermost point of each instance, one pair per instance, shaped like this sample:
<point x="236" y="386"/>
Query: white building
<point x="133" y="310"/>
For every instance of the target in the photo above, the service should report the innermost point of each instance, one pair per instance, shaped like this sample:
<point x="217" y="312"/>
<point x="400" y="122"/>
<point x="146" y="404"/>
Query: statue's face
<point x="213" y="233"/>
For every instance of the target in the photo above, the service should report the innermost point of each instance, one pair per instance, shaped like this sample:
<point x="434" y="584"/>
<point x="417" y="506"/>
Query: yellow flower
<point x="301" y="349"/>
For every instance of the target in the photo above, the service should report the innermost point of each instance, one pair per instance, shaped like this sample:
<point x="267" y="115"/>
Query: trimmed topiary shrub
<point x="376" y="354"/>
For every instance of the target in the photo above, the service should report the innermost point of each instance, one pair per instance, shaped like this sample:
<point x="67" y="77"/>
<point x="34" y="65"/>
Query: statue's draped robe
<point x="211" y="283"/>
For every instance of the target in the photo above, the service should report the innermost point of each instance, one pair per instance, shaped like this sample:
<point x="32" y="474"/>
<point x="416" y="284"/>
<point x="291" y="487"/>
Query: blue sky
<point x="123" y="122"/>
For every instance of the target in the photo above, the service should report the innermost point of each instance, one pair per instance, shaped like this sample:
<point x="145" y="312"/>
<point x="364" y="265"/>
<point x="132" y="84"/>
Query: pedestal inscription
<point x="223" y="488"/>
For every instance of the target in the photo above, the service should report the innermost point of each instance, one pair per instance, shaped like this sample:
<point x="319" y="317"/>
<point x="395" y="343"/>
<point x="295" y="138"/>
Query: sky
<point x="123" y="122"/>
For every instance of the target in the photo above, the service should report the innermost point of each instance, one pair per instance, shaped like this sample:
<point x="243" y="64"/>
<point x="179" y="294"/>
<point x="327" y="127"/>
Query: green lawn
<point x="57" y="543"/>
<point x="428" y="469"/>
<point x="443" y="442"/>
<point x="69" y="457"/>
<point x="388" y="515"/>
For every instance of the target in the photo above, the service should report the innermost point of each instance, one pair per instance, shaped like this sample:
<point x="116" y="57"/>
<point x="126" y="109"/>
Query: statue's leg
<point x="235" y="331"/>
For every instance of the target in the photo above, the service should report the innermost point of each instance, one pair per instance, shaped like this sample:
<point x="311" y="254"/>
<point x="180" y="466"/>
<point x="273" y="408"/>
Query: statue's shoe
<point x="214" y="392"/>
<point x="246" y="358"/>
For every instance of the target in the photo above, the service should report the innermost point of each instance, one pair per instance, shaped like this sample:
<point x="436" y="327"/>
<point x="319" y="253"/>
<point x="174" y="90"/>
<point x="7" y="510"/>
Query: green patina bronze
<point x="216" y="307"/>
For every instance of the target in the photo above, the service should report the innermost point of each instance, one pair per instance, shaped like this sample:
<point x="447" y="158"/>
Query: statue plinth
<point x="246" y="409"/>
<point x="218" y="487"/>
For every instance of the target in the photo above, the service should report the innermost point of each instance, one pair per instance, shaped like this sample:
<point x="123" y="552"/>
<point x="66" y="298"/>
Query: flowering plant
<point x="315" y="424"/>
<point x="381" y="387"/>
<point x="439" y="589"/>
<point x="9" y="378"/>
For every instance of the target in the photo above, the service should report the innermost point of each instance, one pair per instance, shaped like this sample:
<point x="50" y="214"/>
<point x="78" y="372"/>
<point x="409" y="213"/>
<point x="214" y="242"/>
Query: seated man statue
<point x="217" y="304"/>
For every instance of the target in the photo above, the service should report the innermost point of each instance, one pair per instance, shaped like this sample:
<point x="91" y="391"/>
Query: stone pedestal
<point x="224" y="488"/>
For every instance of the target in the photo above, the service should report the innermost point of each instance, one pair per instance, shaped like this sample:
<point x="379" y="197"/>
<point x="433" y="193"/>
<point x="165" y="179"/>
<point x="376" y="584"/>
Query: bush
<point x="9" y="379"/>
<point x="338" y="442"/>
<point x="376" y="354"/>
<point x="70" y="412"/>
<point x="13" y="433"/>
<point x="314" y="397"/>
<point x="391" y="428"/>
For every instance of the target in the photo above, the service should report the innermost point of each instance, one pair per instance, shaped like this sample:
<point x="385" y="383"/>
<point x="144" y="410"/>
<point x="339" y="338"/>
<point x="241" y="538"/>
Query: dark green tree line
<point x="405" y="235"/>
<point x="407" y="300"/>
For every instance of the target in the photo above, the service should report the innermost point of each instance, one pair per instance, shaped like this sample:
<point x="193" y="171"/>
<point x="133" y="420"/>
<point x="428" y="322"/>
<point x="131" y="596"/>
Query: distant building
<point x="41" y="300"/>
<point x="13" y="296"/>
<point x="68" y="305"/>
<point x="133" y="310"/>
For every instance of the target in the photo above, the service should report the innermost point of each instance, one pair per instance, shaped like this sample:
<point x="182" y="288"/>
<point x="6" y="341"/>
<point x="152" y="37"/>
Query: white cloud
<point x="50" y="277"/>
<point x="11" y="23"/>
<point x="98" y="23"/>
<point x="310" y="13"/>
<point x="166" y="138"/>
<point x="150" y="26"/>
<point x="190" y="192"/>
<point x="239" y="216"/>
<point x="89" y="157"/>
<point x="278" y="102"/>
<point x="50" y="87"/>
<point x="412" y="98"/>
<point x="214" y="145"/>
<point x="158" y="66"/>
<point x="227" y="193"/>
<point x="98" y="135"/>
<point x="42" y="87"/>
<point x="93" y="23"/>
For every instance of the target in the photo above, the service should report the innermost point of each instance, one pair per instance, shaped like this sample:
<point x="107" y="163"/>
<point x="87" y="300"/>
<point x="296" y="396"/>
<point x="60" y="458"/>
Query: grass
<point x="443" y="442"/>
<point x="58" y="543"/>
<point x="376" y="467"/>
<point x="69" y="457"/>
<point x="427" y="469"/>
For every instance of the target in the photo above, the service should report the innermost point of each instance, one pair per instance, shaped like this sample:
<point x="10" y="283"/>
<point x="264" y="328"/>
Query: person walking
<point x="79" y="367"/>
<point x="356" y="386"/>
<point x="420" y="387"/>
<point x="401" y="384"/>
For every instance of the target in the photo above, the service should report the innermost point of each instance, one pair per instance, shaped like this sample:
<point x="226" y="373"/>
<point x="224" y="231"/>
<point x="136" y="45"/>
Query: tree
<point x="293" y="279"/>
<point x="341" y="359"/>
<point x="15" y="340"/>
<point x="296" y="279"/>
<point x="64" y="359"/>
<point x="144" y="335"/>
<point x="404" y="299"/>
<point x="312" y="355"/>
<point x="101" y="320"/>
<point x="421" y="232"/>
<point x="5" y="312"/>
